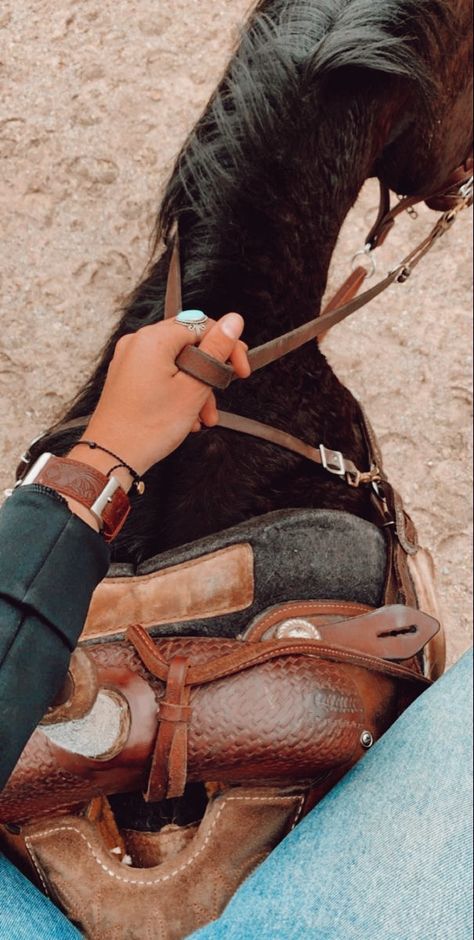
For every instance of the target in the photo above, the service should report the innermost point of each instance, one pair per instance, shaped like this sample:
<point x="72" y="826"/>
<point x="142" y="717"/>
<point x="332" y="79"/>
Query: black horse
<point x="320" y="95"/>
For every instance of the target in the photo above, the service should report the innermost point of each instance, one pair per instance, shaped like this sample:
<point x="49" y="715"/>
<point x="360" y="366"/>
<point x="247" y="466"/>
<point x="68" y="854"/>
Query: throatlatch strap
<point x="331" y="460"/>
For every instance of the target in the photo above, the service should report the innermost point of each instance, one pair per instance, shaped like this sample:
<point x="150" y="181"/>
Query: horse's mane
<point x="286" y="49"/>
<point x="290" y="55"/>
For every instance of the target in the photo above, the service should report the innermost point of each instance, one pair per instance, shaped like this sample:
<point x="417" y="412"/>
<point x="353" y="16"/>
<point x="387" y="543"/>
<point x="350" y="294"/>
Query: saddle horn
<point x="79" y="692"/>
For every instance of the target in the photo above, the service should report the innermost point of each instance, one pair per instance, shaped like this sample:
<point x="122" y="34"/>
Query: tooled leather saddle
<point x="268" y="660"/>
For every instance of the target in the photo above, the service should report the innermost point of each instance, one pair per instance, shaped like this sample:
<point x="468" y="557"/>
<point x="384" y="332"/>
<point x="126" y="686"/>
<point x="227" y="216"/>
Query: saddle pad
<point x="216" y="585"/>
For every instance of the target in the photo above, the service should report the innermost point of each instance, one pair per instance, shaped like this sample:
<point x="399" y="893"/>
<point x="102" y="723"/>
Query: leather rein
<point x="455" y="195"/>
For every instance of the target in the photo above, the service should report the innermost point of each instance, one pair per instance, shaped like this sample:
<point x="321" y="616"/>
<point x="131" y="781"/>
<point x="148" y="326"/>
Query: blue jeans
<point x="385" y="856"/>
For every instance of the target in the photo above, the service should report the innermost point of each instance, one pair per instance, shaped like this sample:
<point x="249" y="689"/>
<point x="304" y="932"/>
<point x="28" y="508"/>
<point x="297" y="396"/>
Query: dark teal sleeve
<point x="50" y="564"/>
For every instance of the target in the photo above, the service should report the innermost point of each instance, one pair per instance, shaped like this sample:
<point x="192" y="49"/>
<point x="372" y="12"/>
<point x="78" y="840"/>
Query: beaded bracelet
<point x="137" y="480"/>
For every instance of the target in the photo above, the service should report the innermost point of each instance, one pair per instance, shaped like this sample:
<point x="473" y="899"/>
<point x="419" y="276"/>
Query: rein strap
<point x="219" y="375"/>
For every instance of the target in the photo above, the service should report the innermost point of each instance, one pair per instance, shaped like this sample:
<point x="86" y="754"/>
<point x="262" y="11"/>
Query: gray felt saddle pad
<point x="299" y="554"/>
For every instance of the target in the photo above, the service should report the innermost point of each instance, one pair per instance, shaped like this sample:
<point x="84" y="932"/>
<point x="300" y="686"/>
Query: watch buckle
<point x="98" y="507"/>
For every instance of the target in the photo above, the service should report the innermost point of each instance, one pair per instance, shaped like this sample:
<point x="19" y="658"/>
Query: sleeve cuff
<point x="50" y="561"/>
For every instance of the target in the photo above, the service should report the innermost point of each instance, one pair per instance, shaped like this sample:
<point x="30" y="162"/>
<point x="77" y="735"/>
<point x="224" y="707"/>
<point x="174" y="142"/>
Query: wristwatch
<point x="102" y="495"/>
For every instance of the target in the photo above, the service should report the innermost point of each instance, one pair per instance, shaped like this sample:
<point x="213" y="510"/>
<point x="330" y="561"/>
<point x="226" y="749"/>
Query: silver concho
<point x="297" y="627"/>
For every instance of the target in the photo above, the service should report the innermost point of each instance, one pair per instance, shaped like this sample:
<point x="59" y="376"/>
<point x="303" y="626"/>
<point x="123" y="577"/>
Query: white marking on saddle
<point x="100" y="735"/>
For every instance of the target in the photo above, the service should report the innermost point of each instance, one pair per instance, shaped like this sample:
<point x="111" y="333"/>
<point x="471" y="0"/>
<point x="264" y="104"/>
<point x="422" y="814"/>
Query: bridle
<point x="455" y="195"/>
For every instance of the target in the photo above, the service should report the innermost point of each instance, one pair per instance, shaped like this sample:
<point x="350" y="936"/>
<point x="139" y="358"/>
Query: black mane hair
<point x="285" y="49"/>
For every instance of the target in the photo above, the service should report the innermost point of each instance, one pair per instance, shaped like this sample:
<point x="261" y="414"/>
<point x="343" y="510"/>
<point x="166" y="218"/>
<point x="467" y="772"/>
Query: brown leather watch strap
<point x="73" y="478"/>
<point x="85" y="484"/>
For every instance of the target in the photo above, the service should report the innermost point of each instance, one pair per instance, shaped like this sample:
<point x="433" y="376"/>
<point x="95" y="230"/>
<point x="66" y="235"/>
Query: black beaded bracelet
<point x="137" y="480"/>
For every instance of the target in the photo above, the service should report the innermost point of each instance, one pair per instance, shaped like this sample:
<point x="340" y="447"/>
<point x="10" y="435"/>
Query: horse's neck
<point x="269" y="259"/>
<point x="216" y="478"/>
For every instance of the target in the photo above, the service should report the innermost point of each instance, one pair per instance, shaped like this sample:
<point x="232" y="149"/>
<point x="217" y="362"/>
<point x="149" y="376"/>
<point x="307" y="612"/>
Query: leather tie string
<point x="393" y="640"/>
<point x="170" y="757"/>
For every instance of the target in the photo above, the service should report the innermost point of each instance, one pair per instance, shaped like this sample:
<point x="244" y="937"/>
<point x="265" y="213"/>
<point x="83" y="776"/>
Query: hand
<point x="148" y="406"/>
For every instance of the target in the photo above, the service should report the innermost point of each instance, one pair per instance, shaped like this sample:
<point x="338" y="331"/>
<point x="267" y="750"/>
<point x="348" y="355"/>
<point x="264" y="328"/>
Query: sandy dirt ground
<point x="97" y="96"/>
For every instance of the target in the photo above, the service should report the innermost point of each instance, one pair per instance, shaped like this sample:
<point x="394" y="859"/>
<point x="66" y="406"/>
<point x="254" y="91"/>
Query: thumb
<point x="221" y="339"/>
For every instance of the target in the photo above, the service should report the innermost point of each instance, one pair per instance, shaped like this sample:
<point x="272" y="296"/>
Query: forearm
<point x="50" y="563"/>
<point x="51" y="560"/>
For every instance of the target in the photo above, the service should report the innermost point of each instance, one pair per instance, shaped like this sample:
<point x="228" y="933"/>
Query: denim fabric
<point x="25" y="914"/>
<point x="385" y="856"/>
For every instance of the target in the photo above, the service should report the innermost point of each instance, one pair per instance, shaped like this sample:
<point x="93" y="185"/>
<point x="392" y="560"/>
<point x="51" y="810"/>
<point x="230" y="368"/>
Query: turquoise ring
<point x="194" y="321"/>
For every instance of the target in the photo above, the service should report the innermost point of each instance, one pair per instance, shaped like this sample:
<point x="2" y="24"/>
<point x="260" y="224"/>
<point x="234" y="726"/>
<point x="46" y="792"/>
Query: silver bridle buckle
<point x="332" y="461"/>
<point x="367" y="254"/>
